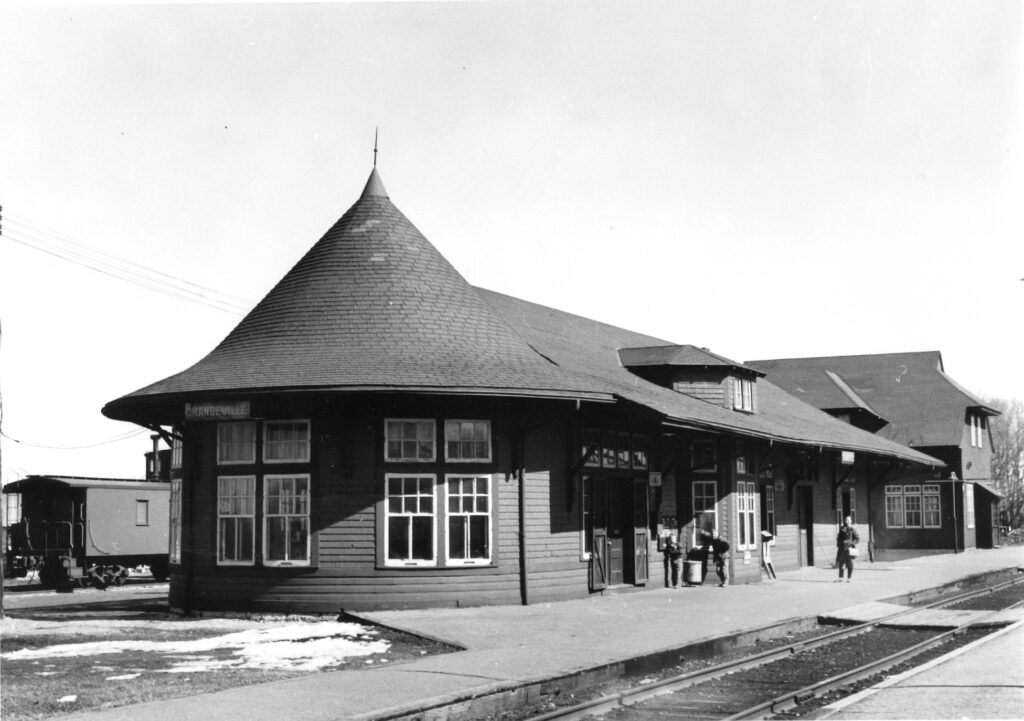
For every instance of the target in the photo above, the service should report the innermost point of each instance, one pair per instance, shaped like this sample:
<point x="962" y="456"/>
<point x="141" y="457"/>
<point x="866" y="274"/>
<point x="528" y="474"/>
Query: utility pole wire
<point x="33" y="236"/>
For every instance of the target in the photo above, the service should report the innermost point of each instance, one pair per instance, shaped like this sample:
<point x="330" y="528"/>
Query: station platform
<point x="921" y="618"/>
<point x="983" y="680"/>
<point x="510" y="648"/>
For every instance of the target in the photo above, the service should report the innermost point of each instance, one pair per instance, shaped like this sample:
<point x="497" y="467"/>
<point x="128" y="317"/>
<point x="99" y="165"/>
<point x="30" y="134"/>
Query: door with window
<point x="805" y="522"/>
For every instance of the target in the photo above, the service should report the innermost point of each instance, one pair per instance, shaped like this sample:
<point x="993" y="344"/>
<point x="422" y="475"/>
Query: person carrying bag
<point x="846" y="544"/>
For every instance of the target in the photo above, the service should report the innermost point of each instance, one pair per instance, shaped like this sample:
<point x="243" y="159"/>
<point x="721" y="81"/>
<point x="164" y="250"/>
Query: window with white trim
<point x="912" y="506"/>
<point x="467" y="441"/>
<point x="176" y="446"/>
<point x="746" y="508"/>
<point x="236" y="520"/>
<point x="705" y="508"/>
<point x="768" y="510"/>
<point x="409" y="520"/>
<point x="285" y="441"/>
<point x="469" y="520"/>
<point x="141" y="512"/>
<point x="410" y="439"/>
<point x="613" y="449"/>
<point x="977" y="422"/>
<point x="174" y="518"/>
<point x="931" y="502"/>
<point x="286" y="520"/>
<point x="236" y="443"/>
<point x="894" y="506"/>
<point x="743" y="394"/>
<point x="969" y="504"/>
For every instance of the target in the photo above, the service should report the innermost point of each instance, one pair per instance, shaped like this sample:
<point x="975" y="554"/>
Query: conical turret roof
<point x="372" y="305"/>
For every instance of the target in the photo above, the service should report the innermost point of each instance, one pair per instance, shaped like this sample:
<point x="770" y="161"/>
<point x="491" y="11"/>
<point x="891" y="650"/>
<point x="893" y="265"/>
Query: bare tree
<point x="1008" y="460"/>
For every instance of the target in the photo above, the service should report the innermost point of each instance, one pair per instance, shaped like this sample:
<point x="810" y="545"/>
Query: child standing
<point x="673" y="555"/>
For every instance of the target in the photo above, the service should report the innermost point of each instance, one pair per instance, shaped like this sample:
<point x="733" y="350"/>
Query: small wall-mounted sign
<point x="847" y="458"/>
<point x="217" y="411"/>
<point x="654" y="479"/>
<point x="780" y="485"/>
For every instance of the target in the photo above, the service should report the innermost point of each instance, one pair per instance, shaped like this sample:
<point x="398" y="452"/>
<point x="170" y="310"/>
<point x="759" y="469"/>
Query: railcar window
<point x="141" y="513"/>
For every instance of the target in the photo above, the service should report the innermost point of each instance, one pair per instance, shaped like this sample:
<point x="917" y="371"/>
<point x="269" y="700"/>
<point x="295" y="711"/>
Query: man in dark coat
<point x="846" y="540"/>
<point x="718" y="552"/>
<point x="673" y="557"/>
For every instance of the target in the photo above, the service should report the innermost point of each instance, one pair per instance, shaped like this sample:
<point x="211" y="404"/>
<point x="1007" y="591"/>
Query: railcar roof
<point x="82" y="482"/>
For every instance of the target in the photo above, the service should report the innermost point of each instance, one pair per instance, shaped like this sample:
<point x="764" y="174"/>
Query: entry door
<point x="620" y="530"/>
<point x="596" y="505"/>
<point x="805" y="520"/>
<point x="640" y="521"/>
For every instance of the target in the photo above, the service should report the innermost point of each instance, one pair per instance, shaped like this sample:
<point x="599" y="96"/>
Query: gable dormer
<point x="696" y="372"/>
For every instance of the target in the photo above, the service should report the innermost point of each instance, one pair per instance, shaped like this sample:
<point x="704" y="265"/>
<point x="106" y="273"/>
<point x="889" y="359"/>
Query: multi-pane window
<point x="469" y="519"/>
<point x="977" y="430"/>
<point x="410" y="439"/>
<point x="894" y="506"/>
<point x="742" y="464"/>
<point x="614" y="449"/>
<point x="236" y="443"/>
<point x="746" y="508"/>
<point x="236" y="519"/>
<point x="912" y="506"/>
<point x="285" y="441"/>
<point x="409" y="519"/>
<point x="704" y="456"/>
<point x="141" y="513"/>
<point x="174" y="539"/>
<point x="286" y="520"/>
<point x="969" y="504"/>
<point x="176" y="447"/>
<point x="743" y="394"/>
<point x="932" y="505"/>
<point x="705" y="507"/>
<point x="768" y="510"/>
<point x="467" y="440"/>
<point x="591" y="451"/>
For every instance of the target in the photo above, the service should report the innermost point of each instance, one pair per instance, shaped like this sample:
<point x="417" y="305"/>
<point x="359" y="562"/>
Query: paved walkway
<point x="510" y="646"/>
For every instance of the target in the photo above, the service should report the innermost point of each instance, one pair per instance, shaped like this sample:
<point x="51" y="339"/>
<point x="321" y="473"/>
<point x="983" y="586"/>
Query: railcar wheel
<point x="120" y="575"/>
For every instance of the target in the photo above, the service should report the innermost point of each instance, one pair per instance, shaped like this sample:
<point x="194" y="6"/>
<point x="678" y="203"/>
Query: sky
<point x="765" y="179"/>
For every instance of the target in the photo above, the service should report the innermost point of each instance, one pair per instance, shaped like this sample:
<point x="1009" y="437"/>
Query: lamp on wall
<point x="952" y="476"/>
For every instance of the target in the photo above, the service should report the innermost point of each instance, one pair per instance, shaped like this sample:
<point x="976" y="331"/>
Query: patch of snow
<point x="123" y="677"/>
<point x="300" y="646"/>
<point x="67" y="699"/>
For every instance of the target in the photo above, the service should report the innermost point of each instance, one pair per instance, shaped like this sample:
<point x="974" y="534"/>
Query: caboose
<point x="88" y="530"/>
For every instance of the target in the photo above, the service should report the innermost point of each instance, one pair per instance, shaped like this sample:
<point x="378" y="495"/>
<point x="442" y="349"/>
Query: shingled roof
<point x="372" y="305"/>
<point x="924" y="406"/>
<point x="681" y="356"/>
<point x="588" y="347"/>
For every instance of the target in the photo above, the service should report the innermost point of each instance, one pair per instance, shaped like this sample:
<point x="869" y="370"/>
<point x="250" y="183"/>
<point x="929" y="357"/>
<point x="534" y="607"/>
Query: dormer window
<point x="743" y="394"/>
<point x="977" y="430"/>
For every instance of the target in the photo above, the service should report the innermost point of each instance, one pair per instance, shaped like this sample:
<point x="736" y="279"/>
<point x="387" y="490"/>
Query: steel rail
<point x="639" y="694"/>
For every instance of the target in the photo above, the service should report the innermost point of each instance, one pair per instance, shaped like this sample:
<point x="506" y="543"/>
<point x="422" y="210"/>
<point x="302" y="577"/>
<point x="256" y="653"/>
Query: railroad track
<point x="759" y="686"/>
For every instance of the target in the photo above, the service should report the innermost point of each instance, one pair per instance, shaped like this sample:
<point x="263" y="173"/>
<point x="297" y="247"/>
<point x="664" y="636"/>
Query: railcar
<point x="79" y="531"/>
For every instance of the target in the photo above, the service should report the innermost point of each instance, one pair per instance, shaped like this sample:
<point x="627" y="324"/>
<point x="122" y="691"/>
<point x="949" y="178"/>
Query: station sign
<point x="217" y="410"/>
<point x="654" y="479"/>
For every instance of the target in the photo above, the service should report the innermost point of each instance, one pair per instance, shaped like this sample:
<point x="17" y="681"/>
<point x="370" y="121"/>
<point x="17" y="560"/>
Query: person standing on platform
<point x="673" y="556"/>
<point x="717" y="549"/>
<point x="846" y="545"/>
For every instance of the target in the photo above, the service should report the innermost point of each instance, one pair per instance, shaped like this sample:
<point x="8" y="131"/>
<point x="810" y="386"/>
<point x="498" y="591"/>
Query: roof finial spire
<point x="375" y="147"/>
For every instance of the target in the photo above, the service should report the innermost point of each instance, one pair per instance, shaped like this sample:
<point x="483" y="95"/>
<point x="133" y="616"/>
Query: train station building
<point x="379" y="433"/>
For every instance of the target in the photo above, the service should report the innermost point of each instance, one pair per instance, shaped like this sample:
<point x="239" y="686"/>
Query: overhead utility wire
<point x="123" y="269"/>
<point x="122" y="259"/>
<point x="113" y="439"/>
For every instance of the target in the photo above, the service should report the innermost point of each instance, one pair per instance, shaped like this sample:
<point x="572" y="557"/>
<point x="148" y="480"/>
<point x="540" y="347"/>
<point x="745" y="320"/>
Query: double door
<point x="616" y="527"/>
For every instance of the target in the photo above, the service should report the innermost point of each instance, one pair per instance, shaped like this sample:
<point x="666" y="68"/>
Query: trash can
<point x="692" y="572"/>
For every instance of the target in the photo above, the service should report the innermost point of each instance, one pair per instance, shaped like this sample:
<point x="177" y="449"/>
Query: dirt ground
<point x="61" y="660"/>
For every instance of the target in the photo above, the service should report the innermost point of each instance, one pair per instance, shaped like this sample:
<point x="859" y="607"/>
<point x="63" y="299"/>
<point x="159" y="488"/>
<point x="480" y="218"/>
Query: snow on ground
<point x="301" y="646"/>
